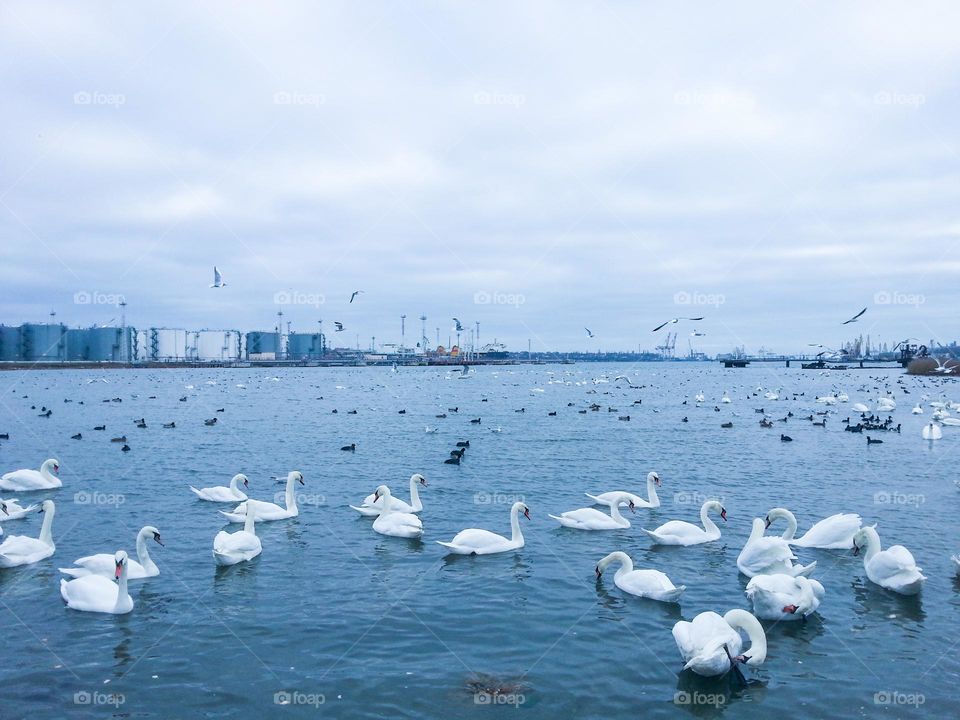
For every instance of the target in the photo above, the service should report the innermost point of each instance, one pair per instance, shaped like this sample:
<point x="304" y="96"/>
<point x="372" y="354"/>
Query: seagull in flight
<point x="697" y="333"/>
<point x="675" y="320"/>
<point x="459" y="326"/>
<point x="339" y="326"/>
<point x="854" y="318"/>
<point x="589" y="334"/>
<point x="217" y="279"/>
<point x="355" y="293"/>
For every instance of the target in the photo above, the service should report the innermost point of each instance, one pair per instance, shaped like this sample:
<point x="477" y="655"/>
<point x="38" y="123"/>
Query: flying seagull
<point x="339" y="326"/>
<point x="697" y="333"/>
<point x="854" y="318"/>
<point x="675" y="320"/>
<point x="355" y="293"/>
<point x="459" y="326"/>
<point x="589" y="334"/>
<point x="217" y="279"/>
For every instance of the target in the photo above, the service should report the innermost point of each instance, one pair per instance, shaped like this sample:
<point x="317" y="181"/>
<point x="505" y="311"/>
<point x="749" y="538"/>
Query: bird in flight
<point x="217" y="279"/>
<point x="697" y="333"/>
<point x="339" y="326"/>
<point x="854" y="318"/>
<point x="459" y="326"/>
<point x="589" y="334"/>
<point x="355" y="293"/>
<point x="675" y="320"/>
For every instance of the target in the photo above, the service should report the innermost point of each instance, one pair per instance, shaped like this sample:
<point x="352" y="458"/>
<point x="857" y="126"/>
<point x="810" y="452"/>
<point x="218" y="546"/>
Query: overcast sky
<point x="537" y="167"/>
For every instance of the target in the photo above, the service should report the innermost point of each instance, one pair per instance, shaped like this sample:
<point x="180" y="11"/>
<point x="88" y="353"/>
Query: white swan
<point x="766" y="555"/>
<point x="267" y="511"/>
<point x="371" y="506"/>
<point x="96" y="593"/>
<point x="831" y="533"/>
<point x="27" y="480"/>
<point x="678" y="532"/>
<point x="104" y="563"/>
<point x="917" y="410"/>
<point x="782" y="597"/>
<point x="18" y="550"/>
<point x="645" y="583"/>
<point x="593" y="519"/>
<point x="932" y="431"/>
<point x="11" y="510"/>
<point x="393" y="523"/>
<point x="711" y="645"/>
<point x="725" y="398"/>
<point x="893" y="568"/>
<point x="654" y="502"/>
<point x="474" y="541"/>
<point x="219" y="493"/>
<point x="860" y="408"/>
<point x="243" y="545"/>
<point x="699" y="397"/>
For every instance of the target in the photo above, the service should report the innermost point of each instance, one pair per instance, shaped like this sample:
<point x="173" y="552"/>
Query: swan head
<point x="653" y="476"/>
<point x="863" y="538"/>
<point x="296" y="475"/>
<point x="605" y="561"/>
<point x="775" y="514"/>
<point x="382" y="491"/>
<point x="120" y="560"/>
<point x="51" y="465"/>
<point x="241" y="478"/>
<point x="151" y="531"/>
<point x="420" y="479"/>
<point x="717" y="506"/>
<point x="46" y="506"/>
<point x="3" y="507"/>
<point x="627" y="498"/>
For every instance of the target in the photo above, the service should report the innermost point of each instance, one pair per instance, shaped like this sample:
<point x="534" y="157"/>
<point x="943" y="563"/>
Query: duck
<point x="475" y="541"/>
<point x="711" y="645"/>
<point x="243" y="545"/>
<point x="893" y="568"/>
<point x="10" y="509"/>
<point x="645" y="583"/>
<point x="219" y="493"/>
<point x="371" y="506"/>
<point x="766" y="555"/>
<point x="832" y="533"/>
<point x="18" y="550"/>
<point x="96" y="593"/>
<point x="392" y="523"/>
<point x="28" y="480"/>
<point x="103" y="563"/>
<point x="782" y="597"/>
<point x="268" y="511"/>
<point x="593" y="519"/>
<point x="678" y="532"/>
<point x="653" y="480"/>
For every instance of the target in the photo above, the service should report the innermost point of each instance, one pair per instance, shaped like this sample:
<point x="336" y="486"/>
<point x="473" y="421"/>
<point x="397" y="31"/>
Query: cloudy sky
<point x="534" y="166"/>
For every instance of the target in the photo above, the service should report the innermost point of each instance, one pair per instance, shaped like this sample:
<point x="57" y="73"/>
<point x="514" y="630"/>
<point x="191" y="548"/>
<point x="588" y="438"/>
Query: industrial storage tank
<point x="43" y="342"/>
<point x="166" y="344"/>
<point x="9" y="343"/>
<point x="215" y="345"/>
<point x="101" y="344"/>
<point x="305" y="346"/>
<point x="262" y="345"/>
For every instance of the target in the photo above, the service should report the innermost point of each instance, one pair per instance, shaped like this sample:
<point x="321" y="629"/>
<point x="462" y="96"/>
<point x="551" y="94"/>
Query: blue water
<point x="361" y="625"/>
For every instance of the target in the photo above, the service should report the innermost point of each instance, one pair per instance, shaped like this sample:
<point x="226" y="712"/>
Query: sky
<point x="537" y="167"/>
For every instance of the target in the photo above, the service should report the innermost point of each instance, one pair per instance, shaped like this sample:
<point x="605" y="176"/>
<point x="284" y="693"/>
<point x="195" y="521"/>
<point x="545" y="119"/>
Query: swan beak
<point x="301" y="480"/>
<point x="156" y="539"/>
<point x="723" y="514"/>
<point x="116" y="574"/>
<point x="790" y="609"/>
<point x="56" y="468"/>
<point x="767" y="523"/>
<point x="423" y="481"/>
<point x="246" y="483"/>
<point x="856" y="549"/>
<point x="656" y="479"/>
<point x="598" y="571"/>
<point x="3" y="506"/>
<point x="526" y="513"/>
<point x="633" y="508"/>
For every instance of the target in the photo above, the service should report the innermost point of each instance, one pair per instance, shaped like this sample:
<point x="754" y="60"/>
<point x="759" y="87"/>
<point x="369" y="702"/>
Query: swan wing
<point x="835" y="532"/>
<point x="760" y="554"/>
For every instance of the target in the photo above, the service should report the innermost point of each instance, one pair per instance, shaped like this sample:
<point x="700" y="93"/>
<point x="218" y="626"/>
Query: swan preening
<point x="243" y="545"/>
<point x="474" y="541"/>
<point x="266" y="511"/>
<point x="832" y="533"/>
<point x="593" y="519"/>
<point x="782" y="597"/>
<point x="104" y="564"/>
<point x="711" y="645"/>
<point x="678" y="532"/>
<point x="393" y="523"/>
<point x="893" y="568"/>
<point x="766" y="555"/>
<point x="18" y="550"/>
<point x="653" y="480"/>
<point x="10" y="509"/>
<point x="372" y="505"/>
<point x="96" y="593"/>
<point x="644" y="583"/>
<point x="219" y="493"/>
<point x="26" y="480"/>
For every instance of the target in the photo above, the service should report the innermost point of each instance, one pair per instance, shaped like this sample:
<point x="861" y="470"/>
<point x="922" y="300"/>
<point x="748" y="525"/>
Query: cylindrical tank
<point x="9" y="343"/>
<point x="262" y="345"/>
<point x="301" y="346"/>
<point x="215" y="344"/>
<point x="166" y="344"/>
<point x="42" y="342"/>
<point x="100" y="344"/>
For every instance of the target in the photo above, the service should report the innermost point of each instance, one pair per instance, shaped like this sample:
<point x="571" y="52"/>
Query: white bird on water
<point x="932" y="431"/>
<point x="217" y="279"/>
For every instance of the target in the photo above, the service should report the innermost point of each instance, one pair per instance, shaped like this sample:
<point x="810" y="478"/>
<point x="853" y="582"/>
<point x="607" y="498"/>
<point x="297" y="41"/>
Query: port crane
<point x="669" y="345"/>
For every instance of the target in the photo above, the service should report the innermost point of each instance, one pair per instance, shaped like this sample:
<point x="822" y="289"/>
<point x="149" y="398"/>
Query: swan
<point x="893" y="568"/>
<point x="654" y="502"/>
<point x="233" y="548"/>
<point x="267" y="510"/>
<point x="474" y="541"/>
<point x="781" y="597"/>
<point x="645" y="583"/>
<point x="917" y="410"/>
<point x="593" y="519"/>
<point x="886" y="403"/>
<point x="832" y="533"/>
<point x="725" y="398"/>
<point x="678" y="532"/>
<point x="18" y="550"/>
<point x="26" y="480"/>
<point x="103" y="563"/>
<point x="11" y="510"/>
<point x="699" y="397"/>
<point x="766" y="555"/>
<point x="860" y="408"/>
<point x="219" y="493"/>
<point x="96" y="593"/>
<point x="843" y="397"/>
<point x="393" y="523"/>
<point x="371" y="506"/>
<point x="711" y="645"/>
<point x="932" y="431"/>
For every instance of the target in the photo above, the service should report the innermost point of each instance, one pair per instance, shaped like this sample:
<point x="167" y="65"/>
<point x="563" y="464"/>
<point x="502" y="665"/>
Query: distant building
<point x="45" y="342"/>
<point x="262" y="345"/>
<point x="165" y="344"/>
<point x="9" y="343"/>
<point x="101" y="344"/>
<point x="305" y="346"/>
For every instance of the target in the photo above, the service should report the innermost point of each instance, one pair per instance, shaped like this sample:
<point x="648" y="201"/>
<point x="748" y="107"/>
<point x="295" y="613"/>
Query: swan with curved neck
<point x="893" y="568"/>
<point x="643" y="583"/>
<point x="96" y="593"/>
<point x="593" y="519"/>
<point x="10" y="509"/>
<point x="474" y="541"/>
<point x="243" y="545"/>
<point x="18" y="550"/>
<point x="833" y="533"/>
<point x="765" y="555"/>
<point x="393" y="523"/>
<point x="372" y="506"/>
<point x="653" y="480"/>
<point x="103" y="563"/>
<point x="27" y="480"/>
<point x="266" y="511"/>
<point x="711" y="645"/>
<point x="678" y="532"/>
<point x="219" y="493"/>
<point x="782" y="597"/>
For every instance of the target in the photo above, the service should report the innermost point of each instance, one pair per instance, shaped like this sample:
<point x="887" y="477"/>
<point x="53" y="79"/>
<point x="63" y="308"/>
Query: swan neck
<point x="415" y="495"/>
<point x="708" y="524"/>
<point x="872" y="546"/>
<point x="517" y="535"/>
<point x="233" y="483"/>
<point x="122" y="589"/>
<point x="143" y="553"/>
<point x="46" y="530"/>
<point x="250" y="521"/>
<point x="652" y="496"/>
<point x="291" y="495"/>
<point x="791" y="525"/>
<point x="615" y="512"/>
<point x="742" y="620"/>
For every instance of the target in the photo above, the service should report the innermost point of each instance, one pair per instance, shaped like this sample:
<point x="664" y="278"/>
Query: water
<point x="360" y="625"/>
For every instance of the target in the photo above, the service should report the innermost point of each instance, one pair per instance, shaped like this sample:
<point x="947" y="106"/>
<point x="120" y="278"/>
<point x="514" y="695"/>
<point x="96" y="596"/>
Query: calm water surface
<point x="354" y="624"/>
